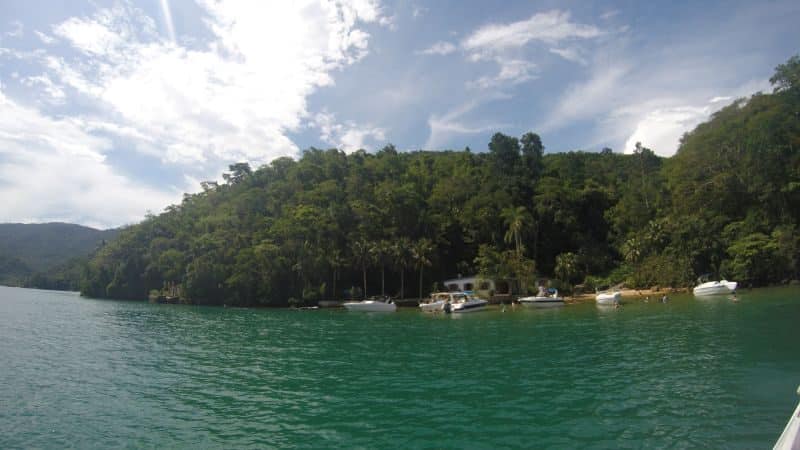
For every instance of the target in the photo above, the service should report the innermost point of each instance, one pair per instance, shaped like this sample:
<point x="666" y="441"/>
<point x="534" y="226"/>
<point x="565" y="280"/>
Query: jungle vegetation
<point x="395" y="223"/>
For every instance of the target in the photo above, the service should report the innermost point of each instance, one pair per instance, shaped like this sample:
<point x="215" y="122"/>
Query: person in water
<point x="664" y="299"/>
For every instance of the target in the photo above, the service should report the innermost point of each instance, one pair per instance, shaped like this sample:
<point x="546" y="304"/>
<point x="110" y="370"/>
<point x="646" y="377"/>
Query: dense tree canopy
<point x="727" y="203"/>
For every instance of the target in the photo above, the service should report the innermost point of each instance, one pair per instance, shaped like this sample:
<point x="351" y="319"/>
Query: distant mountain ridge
<point x="27" y="249"/>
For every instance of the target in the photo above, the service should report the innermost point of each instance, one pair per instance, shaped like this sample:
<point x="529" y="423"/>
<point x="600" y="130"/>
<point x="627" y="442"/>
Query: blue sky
<point x="110" y="109"/>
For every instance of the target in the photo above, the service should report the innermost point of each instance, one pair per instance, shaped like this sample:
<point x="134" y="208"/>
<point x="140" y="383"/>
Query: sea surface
<point x="691" y="373"/>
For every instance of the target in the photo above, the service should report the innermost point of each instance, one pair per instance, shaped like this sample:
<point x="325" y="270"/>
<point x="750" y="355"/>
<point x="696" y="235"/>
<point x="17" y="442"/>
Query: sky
<point x="110" y="110"/>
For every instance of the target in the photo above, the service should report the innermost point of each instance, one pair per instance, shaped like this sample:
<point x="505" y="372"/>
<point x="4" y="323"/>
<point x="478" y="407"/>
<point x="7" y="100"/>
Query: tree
<point x="361" y="254"/>
<point x="420" y="253"/>
<point x="532" y="154"/>
<point x="515" y="219"/>
<point x="401" y="257"/>
<point x="238" y="172"/>
<point x="787" y="75"/>
<point x="567" y="268"/>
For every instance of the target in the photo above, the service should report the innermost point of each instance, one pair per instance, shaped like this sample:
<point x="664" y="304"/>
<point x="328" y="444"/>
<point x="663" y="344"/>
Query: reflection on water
<point x="692" y="372"/>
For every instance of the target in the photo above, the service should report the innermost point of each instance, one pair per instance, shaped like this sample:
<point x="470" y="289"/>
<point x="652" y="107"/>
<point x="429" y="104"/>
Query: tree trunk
<point x="402" y="273"/>
<point x="334" y="285"/>
<point x="420" y="282"/>
<point x="383" y="290"/>
<point x="364" y="270"/>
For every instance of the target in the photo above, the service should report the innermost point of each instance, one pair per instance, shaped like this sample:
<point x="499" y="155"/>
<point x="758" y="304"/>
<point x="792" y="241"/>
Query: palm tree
<point x="335" y="261"/>
<point x="362" y="257"/>
<point x="420" y="253"/>
<point x="400" y="259"/>
<point x="515" y="218"/>
<point x="380" y="252"/>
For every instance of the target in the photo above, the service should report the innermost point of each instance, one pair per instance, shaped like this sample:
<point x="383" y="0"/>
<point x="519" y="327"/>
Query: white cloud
<point x="512" y="71"/>
<point x="53" y="170"/>
<point x="452" y="123"/>
<point x="45" y="38"/>
<point x="16" y="29"/>
<point x="232" y="97"/>
<point x="502" y="43"/>
<point x="439" y="48"/>
<point x="588" y="98"/>
<point x="661" y="129"/>
<point x="54" y="92"/>
<point x="549" y="27"/>
<point x="609" y="14"/>
<point x="234" y="100"/>
<point x="570" y="54"/>
<point x="347" y="136"/>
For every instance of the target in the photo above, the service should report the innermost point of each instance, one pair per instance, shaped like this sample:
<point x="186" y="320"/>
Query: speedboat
<point x="371" y="306"/>
<point x="436" y="302"/>
<point x="608" y="298"/>
<point x="466" y="302"/>
<point x="715" y="287"/>
<point x="544" y="298"/>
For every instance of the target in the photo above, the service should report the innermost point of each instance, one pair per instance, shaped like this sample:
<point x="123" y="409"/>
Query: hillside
<point x="28" y="249"/>
<point x="728" y="203"/>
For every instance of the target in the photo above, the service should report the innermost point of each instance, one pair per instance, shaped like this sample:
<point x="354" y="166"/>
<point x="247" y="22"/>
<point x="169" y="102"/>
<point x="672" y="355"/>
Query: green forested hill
<point x="726" y="203"/>
<point x="28" y="249"/>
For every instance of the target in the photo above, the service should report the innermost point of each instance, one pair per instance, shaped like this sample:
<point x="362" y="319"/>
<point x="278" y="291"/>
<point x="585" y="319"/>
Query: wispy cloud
<point x="453" y="123"/>
<point x="570" y="54"/>
<point x="347" y="136"/>
<point x="503" y="44"/>
<point x="439" y="48"/>
<point x="549" y="27"/>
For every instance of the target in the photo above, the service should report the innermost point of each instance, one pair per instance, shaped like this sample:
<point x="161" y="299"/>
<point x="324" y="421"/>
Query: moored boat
<point x="371" y="306"/>
<point x="468" y="303"/>
<point x="608" y="298"/>
<point x="715" y="288"/>
<point x="544" y="298"/>
<point x="436" y="302"/>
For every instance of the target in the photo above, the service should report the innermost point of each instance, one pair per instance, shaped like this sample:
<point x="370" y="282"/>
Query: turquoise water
<point x="690" y="373"/>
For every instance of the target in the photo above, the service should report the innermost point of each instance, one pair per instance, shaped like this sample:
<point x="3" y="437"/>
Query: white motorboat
<point x="371" y="306"/>
<point x="466" y="302"/>
<point x="436" y="302"/>
<point x="453" y="302"/>
<point x="715" y="288"/>
<point x="790" y="438"/>
<point x="544" y="298"/>
<point x="608" y="298"/>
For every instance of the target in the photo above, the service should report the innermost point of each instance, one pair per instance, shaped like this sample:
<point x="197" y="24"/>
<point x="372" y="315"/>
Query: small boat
<point x="371" y="306"/>
<point x="608" y="298"/>
<point x="790" y="438"/>
<point x="715" y="288"/>
<point x="467" y="302"/>
<point x="544" y="298"/>
<point x="436" y="302"/>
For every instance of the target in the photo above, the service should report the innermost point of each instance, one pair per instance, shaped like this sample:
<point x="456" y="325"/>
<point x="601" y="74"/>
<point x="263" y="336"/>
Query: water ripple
<point x="96" y="374"/>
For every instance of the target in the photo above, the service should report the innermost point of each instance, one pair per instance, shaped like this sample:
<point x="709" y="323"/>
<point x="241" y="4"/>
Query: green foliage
<point x="728" y="202"/>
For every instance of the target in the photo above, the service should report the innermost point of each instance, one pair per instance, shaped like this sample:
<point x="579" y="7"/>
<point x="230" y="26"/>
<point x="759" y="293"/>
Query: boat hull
<point x="432" y="307"/>
<point x="608" y="298"/>
<point x="470" y="306"/>
<point x="370" y="306"/>
<point x="715" y="288"/>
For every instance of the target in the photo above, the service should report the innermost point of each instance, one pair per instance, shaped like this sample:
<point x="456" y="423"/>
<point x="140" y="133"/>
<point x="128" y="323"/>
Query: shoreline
<point x="629" y="294"/>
